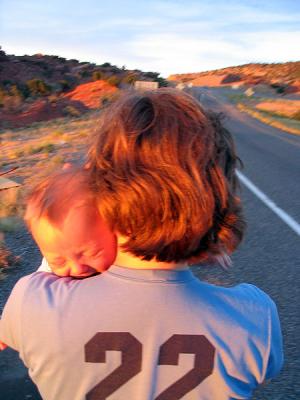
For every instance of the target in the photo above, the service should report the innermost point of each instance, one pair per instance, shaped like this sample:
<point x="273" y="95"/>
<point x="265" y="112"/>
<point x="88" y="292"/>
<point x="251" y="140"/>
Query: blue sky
<point x="165" y="36"/>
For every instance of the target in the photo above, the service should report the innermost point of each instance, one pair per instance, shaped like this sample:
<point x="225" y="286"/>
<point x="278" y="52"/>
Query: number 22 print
<point x="131" y="362"/>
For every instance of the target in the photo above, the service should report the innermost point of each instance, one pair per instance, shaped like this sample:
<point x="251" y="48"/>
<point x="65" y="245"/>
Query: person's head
<point x="165" y="172"/>
<point x="64" y="221"/>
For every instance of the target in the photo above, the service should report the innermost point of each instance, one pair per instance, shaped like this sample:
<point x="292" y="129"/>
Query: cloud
<point x="167" y="36"/>
<point x="170" y="53"/>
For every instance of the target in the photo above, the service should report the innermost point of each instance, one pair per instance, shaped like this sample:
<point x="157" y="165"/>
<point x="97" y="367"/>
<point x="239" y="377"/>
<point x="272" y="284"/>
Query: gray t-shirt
<point x="142" y="335"/>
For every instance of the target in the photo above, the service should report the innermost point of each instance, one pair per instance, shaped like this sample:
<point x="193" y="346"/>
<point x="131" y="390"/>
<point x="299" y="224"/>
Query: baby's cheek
<point x="98" y="266"/>
<point x="101" y="264"/>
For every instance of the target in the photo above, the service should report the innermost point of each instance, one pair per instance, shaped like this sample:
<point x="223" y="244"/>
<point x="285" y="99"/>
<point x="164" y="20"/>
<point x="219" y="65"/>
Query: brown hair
<point x="54" y="196"/>
<point x="165" y="169"/>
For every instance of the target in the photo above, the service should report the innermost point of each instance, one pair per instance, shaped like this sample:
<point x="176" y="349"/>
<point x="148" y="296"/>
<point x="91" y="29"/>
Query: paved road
<point x="269" y="257"/>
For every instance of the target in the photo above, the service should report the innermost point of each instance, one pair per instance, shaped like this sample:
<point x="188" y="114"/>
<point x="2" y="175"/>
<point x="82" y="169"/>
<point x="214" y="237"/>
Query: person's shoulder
<point x="254" y="295"/>
<point x="35" y="278"/>
<point x="253" y="303"/>
<point x="22" y="284"/>
<point x="34" y="281"/>
<point x="245" y="298"/>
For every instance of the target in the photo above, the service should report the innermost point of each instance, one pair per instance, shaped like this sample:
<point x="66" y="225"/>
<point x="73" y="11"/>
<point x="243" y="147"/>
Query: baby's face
<point x="82" y="246"/>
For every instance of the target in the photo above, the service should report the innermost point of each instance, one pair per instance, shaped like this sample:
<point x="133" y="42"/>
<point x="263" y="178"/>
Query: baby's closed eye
<point x="59" y="262"/>
<point x="93" y="253"/>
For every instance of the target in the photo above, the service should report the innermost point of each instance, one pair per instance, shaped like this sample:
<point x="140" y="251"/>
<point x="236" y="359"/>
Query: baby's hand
<point x="2" y="346"/>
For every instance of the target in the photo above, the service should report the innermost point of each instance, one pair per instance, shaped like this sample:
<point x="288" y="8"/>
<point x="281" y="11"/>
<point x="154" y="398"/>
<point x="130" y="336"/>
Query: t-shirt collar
<point x="152" y="275"/>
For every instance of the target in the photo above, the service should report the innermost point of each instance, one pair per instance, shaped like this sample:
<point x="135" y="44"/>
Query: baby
<point x="65" y="223"/>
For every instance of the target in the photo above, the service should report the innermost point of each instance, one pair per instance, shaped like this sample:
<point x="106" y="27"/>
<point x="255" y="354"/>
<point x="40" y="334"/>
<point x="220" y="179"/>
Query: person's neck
<point x="129" y="261"/>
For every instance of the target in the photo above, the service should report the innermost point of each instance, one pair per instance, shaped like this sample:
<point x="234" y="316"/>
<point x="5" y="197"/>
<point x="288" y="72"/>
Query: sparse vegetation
<point x="7" y="258"/>
<point x="273" y="120"/>
<point x="130" y="79"/>
<point x="97" y="75"/>
<point x="42" y="148"/>
<point x="5" y="255"/>
<point x="57" y="160"/>
<point x="230" y="78"/>
<point x="114" y="80"/>
<point x="72" y="111"/>
<point x="38" y="87"/>
<point x="278" y="112"/>
<point x="275" y="73"/>
<point x="296" y="116"/>
<point x="64" y="85"/>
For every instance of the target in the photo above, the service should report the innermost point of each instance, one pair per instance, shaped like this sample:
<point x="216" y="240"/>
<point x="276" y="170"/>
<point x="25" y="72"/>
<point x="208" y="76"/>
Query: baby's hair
<point x="165" y="169"/>
<point x="53" y="197"/>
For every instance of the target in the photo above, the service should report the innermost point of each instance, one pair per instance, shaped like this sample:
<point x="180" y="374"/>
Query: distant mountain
<point x="281" y="75"/>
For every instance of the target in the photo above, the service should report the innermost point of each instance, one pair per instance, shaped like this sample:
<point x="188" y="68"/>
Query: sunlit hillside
<point x="284" y="77"/>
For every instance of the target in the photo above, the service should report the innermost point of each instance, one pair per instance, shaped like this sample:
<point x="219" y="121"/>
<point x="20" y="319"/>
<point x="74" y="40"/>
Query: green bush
<point x="71" y="111"/>
<point x="114" y="80"/>
<point x="11" y="99"/>
<point x="24" y="90"/>
<point x="64" y="85"/>
<point x="151" y="75"/>
<point x="5" y="255"/>
<point x="15" y="91"/>
<point x="130" y="79"/>
<point x="97" y="75"/>
<point x="85" y="74"/>
<point x="42" y="148"/>
<point x="106" y="65"/>
<point x="6" y="82"/>
<point x="231" y="78"/>
<point x="279" y="87"/>
<point x="3" y="94"/>
<point x="38" y="87"/>
<point x="162" y="82"/>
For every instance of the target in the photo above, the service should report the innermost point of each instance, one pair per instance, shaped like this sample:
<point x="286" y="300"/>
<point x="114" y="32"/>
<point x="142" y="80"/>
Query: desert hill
<point x="42" y="87"/>
<point x="61" y="74"/>
<point x="278" y="75"/>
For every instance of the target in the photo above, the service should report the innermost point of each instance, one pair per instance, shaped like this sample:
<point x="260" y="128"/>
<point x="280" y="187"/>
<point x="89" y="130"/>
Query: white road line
<point x="269" y="203"/>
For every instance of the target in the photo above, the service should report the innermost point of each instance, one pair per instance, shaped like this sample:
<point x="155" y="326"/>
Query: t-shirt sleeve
<point x="275" y="359"/>
<point x="263" y="313"/>
<point x="11" y="319"/>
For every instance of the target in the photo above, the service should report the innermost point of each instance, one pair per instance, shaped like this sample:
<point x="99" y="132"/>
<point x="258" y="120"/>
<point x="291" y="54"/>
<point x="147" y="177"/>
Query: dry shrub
<point x="5" y="255"/>
<point x="10" y="200"/>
